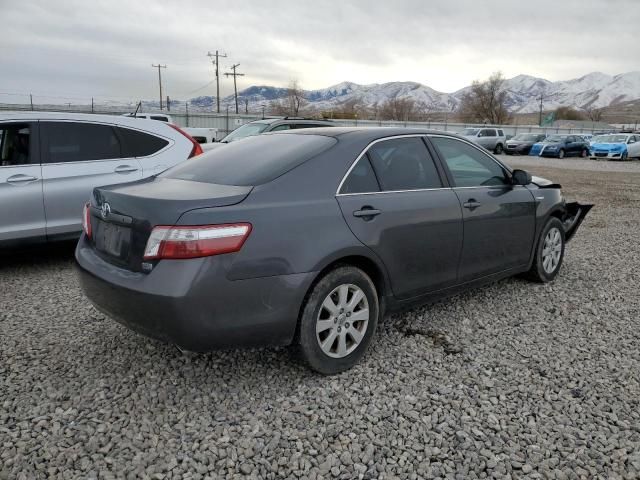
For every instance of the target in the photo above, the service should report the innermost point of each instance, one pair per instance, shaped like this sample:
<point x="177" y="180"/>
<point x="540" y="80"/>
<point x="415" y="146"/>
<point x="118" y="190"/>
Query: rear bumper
<point x="191" y="303"/>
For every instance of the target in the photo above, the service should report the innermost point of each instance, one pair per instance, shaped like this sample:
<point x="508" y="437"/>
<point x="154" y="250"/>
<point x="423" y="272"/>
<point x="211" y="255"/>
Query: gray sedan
<point x="308" y="237"/>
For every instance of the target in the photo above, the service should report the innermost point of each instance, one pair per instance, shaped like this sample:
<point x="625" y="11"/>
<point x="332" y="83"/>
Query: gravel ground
<point x="514" y="380"/>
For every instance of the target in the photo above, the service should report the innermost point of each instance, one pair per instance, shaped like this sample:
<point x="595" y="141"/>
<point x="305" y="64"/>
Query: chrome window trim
<point x="355" y="162"/>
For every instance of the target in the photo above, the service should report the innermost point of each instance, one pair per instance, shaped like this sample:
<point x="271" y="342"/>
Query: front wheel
<point x="624" y="156"/>
<point x="561" y="153"/>
<point x="584" y="153"/>
<point x="499" y="149"/>
<point x="338" y="320"/>
<point x="549" y="253"/>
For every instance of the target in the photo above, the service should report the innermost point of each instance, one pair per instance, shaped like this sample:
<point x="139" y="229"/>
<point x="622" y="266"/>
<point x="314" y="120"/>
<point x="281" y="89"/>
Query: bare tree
<point x="567" y="113"/>
<point x="295" y="98"/>
<point x="397" y="108"/>
<point x="486" y="101"/>
<point x="594" y="114"/>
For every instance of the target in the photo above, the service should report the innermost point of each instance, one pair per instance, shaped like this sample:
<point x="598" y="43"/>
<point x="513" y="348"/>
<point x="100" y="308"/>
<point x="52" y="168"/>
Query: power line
<point x="235" y="74"/>
<point x="216" y="65"/>
<point x="159" y="80"/>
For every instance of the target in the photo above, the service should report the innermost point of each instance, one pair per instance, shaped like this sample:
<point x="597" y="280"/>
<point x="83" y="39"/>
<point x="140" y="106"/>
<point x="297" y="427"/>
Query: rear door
<point x="78" y="156"/>
<point x="21" y="209"/>
<point x="499" y="218"/>
<point x="487" y="138"/>
<point x="395" y="202"/>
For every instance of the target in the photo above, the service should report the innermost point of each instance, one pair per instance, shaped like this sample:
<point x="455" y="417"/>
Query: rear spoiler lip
<point x="575" y="213"/>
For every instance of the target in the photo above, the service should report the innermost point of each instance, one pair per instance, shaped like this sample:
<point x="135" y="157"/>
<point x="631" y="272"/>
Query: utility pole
<point x="31" y="99"/>
<point x="216" y="65"/>
<point x="159" y="80"/>
<point x="234" y="74"/>
<point x="540" y="116"/>
<point x="168" y="104"/>
<point x="246" y="105"/>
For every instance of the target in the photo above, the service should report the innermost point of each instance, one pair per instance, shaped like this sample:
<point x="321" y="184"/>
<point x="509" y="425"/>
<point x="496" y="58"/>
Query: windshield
<point x="527" y="137"/>
<point x="611" y="139"/>
<point x="470" y="131"/>
<point x="555" y="138"/>
<point x="246" y="130"/>
<point x="253" y="161"/>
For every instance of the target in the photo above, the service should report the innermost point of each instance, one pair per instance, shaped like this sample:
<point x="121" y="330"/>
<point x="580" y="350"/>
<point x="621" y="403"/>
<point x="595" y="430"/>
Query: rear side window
<point x="361" y="178"/>
<point x="284" y="126"/>
<point x="403" y="164"/>
<point x="253" y="161"/>
<point x="139" y="144"/>
<point x="488" y="132"/>
<point x="77" y="142"/>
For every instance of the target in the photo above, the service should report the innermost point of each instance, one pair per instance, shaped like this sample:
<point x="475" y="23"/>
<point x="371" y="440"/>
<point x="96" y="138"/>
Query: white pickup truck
<point x="201" y="135"/>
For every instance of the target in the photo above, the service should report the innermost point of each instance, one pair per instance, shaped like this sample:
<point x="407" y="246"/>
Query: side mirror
<point x="520" y="177"/>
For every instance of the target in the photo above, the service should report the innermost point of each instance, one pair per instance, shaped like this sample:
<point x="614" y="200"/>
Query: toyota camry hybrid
<point x="307" y="237"/>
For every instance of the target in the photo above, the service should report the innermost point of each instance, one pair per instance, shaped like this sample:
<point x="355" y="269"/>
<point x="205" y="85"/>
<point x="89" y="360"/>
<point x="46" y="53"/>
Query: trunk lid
<point x="122" y="216"/>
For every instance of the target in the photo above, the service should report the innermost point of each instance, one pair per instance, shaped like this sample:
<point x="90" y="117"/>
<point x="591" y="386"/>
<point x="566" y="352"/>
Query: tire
<point x="499" y="149"/>
<point x="624" y="156"/>
<point x="584" y="153"/>
<point x="561" y="153"/>
<point x="549" y="253"/>
<point x="345" y="341"/>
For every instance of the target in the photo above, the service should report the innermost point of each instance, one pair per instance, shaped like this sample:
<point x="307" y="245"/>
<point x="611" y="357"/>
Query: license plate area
<point x="113" y="240"/>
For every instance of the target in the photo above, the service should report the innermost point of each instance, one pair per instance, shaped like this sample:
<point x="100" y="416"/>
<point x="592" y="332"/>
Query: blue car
<point x="561" y="146"/>
<point x="621" y="146"/>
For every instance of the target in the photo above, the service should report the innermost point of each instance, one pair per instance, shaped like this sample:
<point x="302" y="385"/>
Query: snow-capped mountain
<point x="594" y="90"/>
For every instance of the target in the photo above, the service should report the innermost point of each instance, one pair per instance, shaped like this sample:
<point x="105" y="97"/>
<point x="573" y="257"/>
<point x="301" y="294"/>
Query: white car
<point x="615" y="146"/>
<point x="50" y="163"/>
<point x="204" y="135"/>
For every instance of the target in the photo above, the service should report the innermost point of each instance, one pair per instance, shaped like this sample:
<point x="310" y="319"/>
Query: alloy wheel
<point x="342" y="320"/>
<point x="551" y="250"/>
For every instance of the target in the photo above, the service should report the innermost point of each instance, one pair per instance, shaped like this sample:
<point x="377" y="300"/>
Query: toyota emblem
<point x="105" y="210"/>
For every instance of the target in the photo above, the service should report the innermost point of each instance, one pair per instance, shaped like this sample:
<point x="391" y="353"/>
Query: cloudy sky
<point x="77" y="48"/>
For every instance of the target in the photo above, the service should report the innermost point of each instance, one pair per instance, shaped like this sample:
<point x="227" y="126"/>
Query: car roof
<point x="363" y="133"/>
<point x="145" y="123"/>
<point x="293" y="120"/>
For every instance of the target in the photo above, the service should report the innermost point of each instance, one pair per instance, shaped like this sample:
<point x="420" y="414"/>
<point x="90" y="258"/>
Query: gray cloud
<point x="105" y="48"/>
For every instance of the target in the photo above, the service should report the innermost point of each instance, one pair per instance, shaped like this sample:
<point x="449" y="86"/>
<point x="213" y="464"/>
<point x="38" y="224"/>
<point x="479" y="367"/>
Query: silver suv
<point x="50" y="163"/>
<point x="491" y="138"/>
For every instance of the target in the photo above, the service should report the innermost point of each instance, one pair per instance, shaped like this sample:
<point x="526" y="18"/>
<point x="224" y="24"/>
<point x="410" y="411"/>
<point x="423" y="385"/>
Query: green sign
<point x="548" y="120"/>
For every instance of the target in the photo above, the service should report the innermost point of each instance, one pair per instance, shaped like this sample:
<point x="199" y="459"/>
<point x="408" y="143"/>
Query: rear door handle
<point x="471" y="204"/>
<point x="125" y="169"/>
<point x="366" y="213"/>
<point x="20" y="178"/>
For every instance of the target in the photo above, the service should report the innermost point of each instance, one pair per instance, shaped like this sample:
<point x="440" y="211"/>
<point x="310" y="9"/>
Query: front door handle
<point x="471" y="204"/>
<point x="20" y="178"/>
<point x="125" y="169"/>
<point x="366" y="213"/>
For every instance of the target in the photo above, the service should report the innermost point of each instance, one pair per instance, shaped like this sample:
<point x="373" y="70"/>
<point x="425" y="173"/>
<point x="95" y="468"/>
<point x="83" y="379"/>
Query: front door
<point x="21" y="210"/>
<point x="499" y="218"/>
<point x="394" y="202"/>
<point x="77" y="157"/>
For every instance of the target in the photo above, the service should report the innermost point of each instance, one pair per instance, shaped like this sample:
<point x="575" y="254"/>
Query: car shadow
<point x="45" y="254"/>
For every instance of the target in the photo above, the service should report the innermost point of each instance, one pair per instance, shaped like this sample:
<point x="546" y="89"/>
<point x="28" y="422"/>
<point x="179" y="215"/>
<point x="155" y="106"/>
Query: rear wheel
<point x="561" y="153"/>
<point x="338" y="320"/>
<point x="499" y="149"/>
<point x="549" y="253"/>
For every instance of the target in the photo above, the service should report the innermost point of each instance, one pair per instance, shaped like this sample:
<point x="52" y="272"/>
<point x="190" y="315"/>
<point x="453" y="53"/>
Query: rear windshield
<point x="253" y="161"/>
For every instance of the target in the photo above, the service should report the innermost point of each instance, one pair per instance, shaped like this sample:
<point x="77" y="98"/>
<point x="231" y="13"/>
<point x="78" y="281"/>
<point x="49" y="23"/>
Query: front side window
<point x="76" y="142"/>
<point x="469" y="167"/>
<point x="403" y="164"/>
<point x="14" y="144"/>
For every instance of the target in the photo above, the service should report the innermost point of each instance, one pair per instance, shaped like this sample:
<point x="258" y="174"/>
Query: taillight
<point x="86" y="219"/>
<point x="196" y="149"/>
<point x="195" y="241"/>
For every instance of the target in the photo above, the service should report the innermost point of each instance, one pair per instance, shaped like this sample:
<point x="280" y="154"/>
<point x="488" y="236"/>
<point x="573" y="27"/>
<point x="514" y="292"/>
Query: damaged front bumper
<point x="573" y="217"/>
